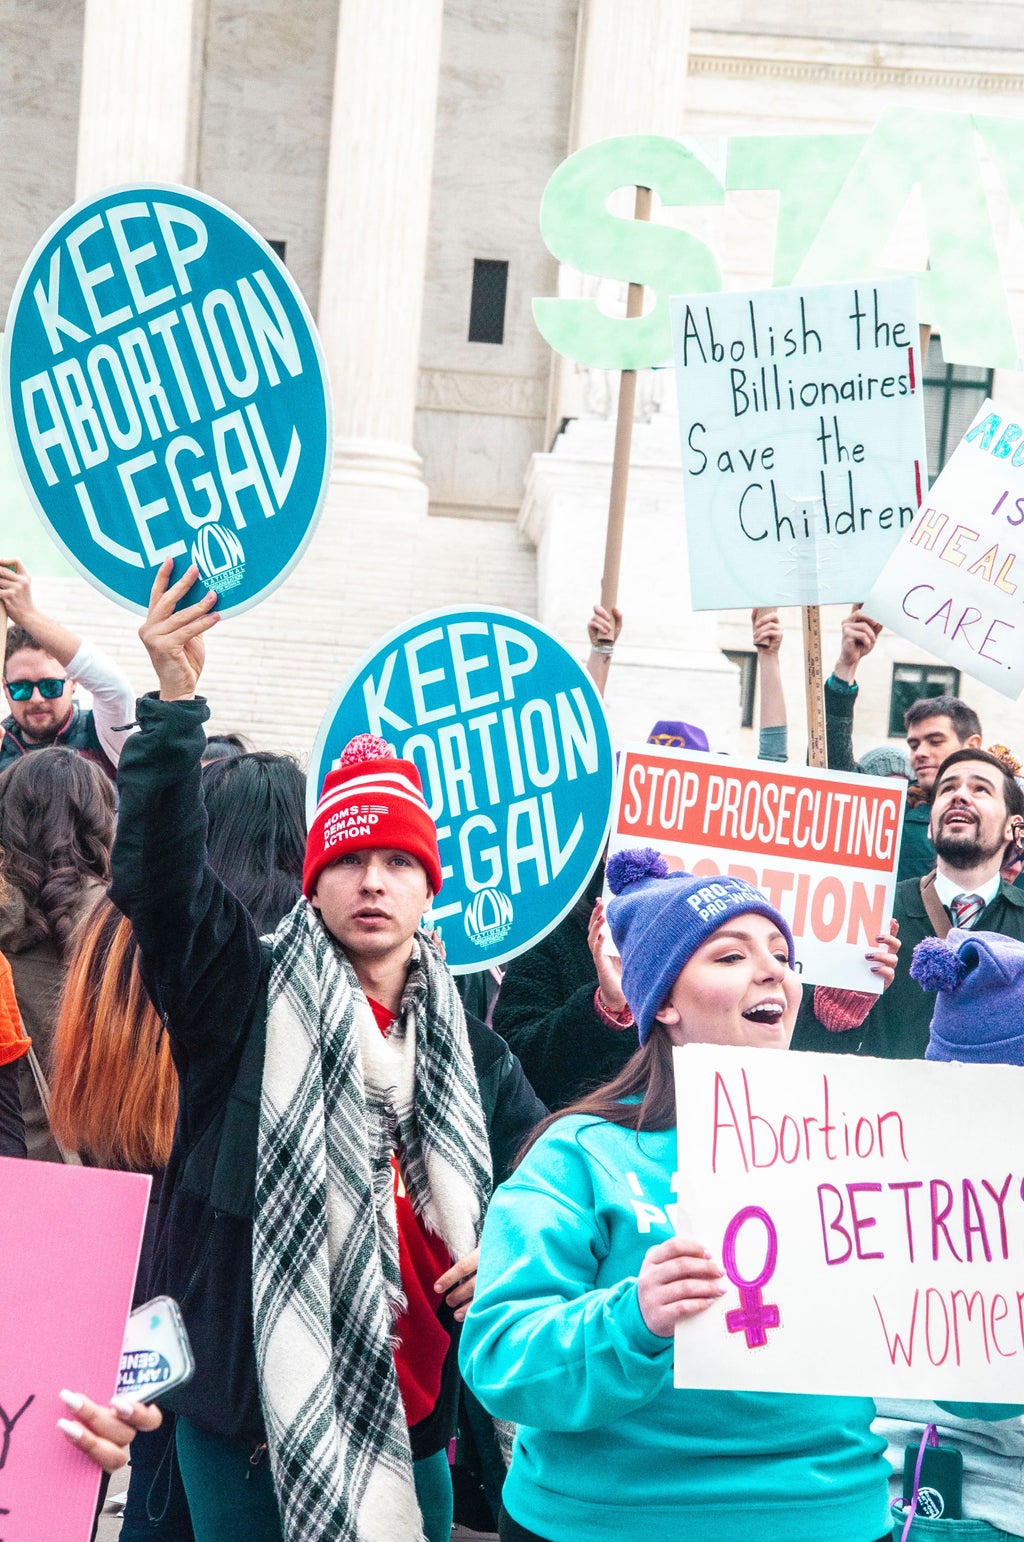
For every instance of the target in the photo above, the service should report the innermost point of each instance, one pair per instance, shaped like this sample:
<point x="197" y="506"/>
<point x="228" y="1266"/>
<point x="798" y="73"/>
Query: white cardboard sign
<point x="871" y="1232"/>
<point x="802" y="425"/>
<point x="822" y="845"/>
<point x="955" y="582"/>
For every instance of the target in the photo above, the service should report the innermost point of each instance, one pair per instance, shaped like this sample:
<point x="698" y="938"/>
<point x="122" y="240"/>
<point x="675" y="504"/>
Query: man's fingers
<point x="171" y="625"/>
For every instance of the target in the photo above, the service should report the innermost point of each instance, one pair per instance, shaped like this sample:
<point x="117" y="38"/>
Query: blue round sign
<point x="510" y="739"/>
<point x="166" y="396"/>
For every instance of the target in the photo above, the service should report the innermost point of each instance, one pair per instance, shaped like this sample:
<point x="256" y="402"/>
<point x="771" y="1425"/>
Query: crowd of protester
<point x="391" y="1206"/>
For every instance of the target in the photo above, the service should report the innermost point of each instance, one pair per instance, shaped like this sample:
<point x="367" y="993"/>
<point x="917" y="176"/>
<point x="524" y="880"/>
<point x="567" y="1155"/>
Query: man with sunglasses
<point x="43" y="661"/>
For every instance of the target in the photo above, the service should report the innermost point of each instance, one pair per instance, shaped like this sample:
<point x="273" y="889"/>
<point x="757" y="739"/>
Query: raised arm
<point x="766" y="631"/>
<point x="859" y="635"/>
<point x="603" y="629"/>
<point x="200" y="951"/>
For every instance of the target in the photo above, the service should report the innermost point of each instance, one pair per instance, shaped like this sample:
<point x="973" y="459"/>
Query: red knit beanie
<point x="372" y="799"/>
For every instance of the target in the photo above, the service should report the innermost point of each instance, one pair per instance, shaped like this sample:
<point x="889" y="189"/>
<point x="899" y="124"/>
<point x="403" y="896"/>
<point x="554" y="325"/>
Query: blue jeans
<point x="924" y="1530"/>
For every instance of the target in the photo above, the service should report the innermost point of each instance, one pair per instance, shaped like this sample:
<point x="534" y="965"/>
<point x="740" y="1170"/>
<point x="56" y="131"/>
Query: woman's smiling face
<point x="737" y="988"/>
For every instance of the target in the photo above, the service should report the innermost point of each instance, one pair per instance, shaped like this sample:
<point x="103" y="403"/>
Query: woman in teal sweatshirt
<point x="582" y="1279"/>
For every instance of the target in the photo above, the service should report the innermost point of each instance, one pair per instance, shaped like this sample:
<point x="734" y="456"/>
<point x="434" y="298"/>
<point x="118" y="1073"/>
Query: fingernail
<point x="123" y="1406"/>
<point x="71" y="1427"/>
<point x="73" y="1400"/>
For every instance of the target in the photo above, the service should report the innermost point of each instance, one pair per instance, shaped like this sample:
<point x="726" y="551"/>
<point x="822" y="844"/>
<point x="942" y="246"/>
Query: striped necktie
<point x="966" y="909"/>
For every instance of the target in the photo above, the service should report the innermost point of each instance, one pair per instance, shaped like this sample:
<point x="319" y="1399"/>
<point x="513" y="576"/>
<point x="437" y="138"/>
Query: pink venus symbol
<point x="753" y="1317"/>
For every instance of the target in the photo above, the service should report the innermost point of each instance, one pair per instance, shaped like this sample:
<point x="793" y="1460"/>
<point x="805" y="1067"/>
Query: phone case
<point x="940" y="1485"/>
<point x="156" y="1355"/>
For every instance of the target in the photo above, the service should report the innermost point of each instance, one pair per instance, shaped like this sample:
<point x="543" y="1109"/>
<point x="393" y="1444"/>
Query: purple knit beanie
<point x="979" y="1006"/>
<point x="659" y="919"/>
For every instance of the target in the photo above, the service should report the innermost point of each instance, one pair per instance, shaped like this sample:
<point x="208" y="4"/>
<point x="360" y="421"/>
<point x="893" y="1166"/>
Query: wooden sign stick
<point x="816" y="752"/>
<point x="623" y="438"/>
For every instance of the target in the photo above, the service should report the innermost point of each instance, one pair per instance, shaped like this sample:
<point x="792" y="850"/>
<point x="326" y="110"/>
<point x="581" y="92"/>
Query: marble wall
<point x="40" y="81"/>
<point x="502" y="128"/>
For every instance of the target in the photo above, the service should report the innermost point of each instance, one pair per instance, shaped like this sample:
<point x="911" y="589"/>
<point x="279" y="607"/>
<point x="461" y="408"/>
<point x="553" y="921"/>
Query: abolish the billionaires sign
<point x="803" y="439"/>
<point x="166" y="396"/>
<point x="510" y="740"/>
<point x="872" y="1237"/>
<point x="822" y="846"/>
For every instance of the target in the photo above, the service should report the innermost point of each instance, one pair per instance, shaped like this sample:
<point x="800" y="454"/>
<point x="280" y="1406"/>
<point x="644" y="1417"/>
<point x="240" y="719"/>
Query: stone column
<point x="375" y="242"/>
<point x="138" y="120"/>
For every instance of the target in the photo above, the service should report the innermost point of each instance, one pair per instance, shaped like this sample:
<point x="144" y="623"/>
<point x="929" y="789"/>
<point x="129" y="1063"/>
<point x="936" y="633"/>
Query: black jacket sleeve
<point x="199" y="948"/>
<point x="546" y="1015"/>
<point x="511" y="1107"/>
<point x="12" y="1123"/>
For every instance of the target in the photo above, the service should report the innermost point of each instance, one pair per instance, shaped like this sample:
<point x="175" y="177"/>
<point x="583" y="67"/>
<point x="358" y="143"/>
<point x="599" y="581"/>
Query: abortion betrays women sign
<point x="166" y="396"/>
<point x="822" y="846"/>
<point x="872" y="1237"/>
<point x="510" y="739"/>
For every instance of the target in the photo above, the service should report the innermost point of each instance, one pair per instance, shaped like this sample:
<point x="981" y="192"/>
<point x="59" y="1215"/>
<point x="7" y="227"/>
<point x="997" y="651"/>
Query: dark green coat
<point x="897" y="1027"/>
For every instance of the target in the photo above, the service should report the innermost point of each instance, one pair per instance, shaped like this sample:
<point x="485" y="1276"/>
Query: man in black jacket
<point x="306" y="1063"/>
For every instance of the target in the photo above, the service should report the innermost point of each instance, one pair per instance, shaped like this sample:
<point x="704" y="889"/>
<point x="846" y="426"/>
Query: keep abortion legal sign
<point x="166" y="396"/>
<point x="872" y="1237"/>
<point x="822" y="846"/>
<point x="511" y="743"/>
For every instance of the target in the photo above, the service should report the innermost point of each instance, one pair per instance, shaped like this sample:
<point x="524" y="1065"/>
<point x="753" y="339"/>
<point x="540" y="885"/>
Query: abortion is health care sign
<point x="872" y="1237"/>
<point x="955" y="583"/>
<point x="803" y="440"/>
<point x="166" y="396"/>
<point x="511" y="743"/>
<point x="71" y="1238"/>
<point x="821" y="845"/>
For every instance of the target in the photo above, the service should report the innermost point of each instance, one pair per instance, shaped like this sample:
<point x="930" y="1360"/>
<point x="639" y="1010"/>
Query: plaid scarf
<point x="338" y="1098"/>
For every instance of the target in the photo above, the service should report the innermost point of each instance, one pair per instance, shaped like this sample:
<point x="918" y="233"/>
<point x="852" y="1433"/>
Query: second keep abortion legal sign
<point x="823" y="846"/>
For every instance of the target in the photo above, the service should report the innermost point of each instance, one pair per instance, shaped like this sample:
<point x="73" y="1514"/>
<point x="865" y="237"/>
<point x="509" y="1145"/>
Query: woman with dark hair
<point x="256" y="840"/>
<point x="570" y="1334"/>
<point x="114" y="1100"/>
<point x="56" y="831"/>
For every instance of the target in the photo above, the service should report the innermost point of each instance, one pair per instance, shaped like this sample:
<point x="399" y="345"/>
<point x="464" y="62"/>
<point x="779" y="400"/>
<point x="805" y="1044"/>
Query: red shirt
<point x="422" y="1258"/>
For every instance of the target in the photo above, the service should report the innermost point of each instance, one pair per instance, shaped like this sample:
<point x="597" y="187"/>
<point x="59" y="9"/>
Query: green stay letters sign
<point x="840" y="197"/>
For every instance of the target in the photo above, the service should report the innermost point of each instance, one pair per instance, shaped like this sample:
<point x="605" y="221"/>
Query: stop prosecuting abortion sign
<point x="511" y="743"/>
<point x="166" y="396"/>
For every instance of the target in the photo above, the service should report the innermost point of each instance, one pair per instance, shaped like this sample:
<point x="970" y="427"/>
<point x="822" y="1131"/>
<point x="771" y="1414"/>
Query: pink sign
<point x="70" y="1248"/>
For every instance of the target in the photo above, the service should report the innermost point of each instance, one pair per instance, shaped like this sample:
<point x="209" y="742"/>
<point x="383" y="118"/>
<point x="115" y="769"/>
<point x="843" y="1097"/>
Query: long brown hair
<point x="114" y="1089"/>
<point x="56" y="829"/>
<point x="641" y="1097"/>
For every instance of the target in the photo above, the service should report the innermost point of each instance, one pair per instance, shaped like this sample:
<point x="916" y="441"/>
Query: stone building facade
<point x="398" y="151"/>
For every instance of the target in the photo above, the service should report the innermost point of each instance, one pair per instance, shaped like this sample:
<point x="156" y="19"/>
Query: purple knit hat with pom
<point x="659" y="919"/>
<point x="979" y="1006"/>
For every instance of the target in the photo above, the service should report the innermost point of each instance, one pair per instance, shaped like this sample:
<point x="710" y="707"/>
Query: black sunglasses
<point x="21" y="690"/>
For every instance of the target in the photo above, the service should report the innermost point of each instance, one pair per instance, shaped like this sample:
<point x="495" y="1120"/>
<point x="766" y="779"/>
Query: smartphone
<point x="941" y="1482"/>
<point x="156" y="1356"/>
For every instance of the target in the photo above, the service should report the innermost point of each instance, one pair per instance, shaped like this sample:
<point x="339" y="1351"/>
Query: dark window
<point x="915" y="682"/>
<point x="747" y="663"/>
<point x="487" y="306"/>
<point x="278" y="248"/>
<point x="952" y="395"/>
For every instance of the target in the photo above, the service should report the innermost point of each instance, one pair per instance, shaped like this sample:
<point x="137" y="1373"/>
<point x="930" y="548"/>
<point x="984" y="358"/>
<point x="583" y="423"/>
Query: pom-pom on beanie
<point x="979" y="1005"/>
<point x="370" y="799"/>
<point x="659" y="919"/>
